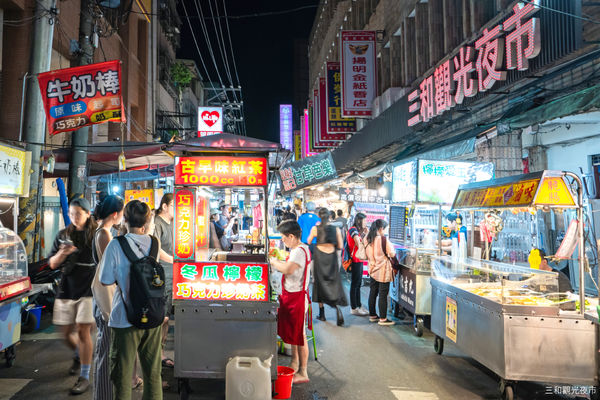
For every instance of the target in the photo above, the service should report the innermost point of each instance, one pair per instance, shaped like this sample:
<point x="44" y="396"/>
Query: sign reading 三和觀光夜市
<point x="183" y="223"/>
<point x="14" y="167"/>
<point x="306" y="172"/>
<point x="82" y="96"/>
<point x="221" y="171"/>
<point x="335" y="121"/>
<point x="224" y="281"/>
<point x="478" y="66"/>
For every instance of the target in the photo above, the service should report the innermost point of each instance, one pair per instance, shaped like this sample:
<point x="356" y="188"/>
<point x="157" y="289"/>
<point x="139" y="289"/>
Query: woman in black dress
<point x="327" y="287"/>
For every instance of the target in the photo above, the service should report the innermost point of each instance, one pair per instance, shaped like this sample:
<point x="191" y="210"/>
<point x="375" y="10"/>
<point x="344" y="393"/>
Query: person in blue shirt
<point x="452" y="230"/>
<point x="307" y="221"/>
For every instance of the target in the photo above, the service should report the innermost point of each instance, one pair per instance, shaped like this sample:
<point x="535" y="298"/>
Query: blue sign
<point x="286" y="127"/>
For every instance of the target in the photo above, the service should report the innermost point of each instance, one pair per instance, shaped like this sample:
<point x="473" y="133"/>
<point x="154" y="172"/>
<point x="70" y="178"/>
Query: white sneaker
<point x="363" y="311"/>
<point x="355" y="311"/>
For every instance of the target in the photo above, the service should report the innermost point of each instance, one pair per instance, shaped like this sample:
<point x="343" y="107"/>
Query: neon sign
<point x="220" y="281"/>
<point x="465" y="75"/>
<point x="221" y="171"/>
<point x="183" y="248"/>
<point x="202" y="223"/>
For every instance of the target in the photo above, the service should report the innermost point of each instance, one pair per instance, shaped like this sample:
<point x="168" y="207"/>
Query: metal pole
<point x="472" y="236"/>
<point x="34" y="124"/>
<point x="22" y="105"/>
<point x="79" y="141"/>
<point x="581" y="240"/>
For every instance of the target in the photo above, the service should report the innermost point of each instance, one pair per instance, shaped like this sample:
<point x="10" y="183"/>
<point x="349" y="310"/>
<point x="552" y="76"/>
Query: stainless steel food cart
<point x="504" y="316"/>
<point x="222" y="300"/>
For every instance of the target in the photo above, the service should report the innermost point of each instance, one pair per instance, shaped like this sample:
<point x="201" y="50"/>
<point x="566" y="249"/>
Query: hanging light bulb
<point x="50" y="163"/>
<point x="122" y="162"/>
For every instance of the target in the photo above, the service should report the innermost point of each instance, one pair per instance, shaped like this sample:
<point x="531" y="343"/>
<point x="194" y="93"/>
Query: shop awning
<point x="224" y="142"/>
<point x="540" y="189"/>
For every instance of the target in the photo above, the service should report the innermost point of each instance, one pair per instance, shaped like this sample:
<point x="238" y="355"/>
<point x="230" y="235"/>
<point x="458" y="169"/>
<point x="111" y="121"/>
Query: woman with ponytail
<point x="378" y="250"/>
<point x="327" y="287"/>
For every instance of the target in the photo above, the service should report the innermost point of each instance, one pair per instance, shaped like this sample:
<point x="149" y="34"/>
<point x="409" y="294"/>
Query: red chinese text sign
<point x="221" y="171"/>
<point x="183" y="246"/>
<point x="82" y="96"/>
<point x="359" y="72"/>
<point x="220" y="281"/>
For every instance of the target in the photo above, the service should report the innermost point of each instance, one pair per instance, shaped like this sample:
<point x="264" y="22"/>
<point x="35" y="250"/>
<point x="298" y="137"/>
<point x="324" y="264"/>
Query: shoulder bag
<point x="393" y="260"/>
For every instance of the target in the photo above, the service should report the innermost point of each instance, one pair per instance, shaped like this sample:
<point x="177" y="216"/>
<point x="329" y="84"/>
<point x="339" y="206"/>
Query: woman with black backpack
<point x="126" y="339"/>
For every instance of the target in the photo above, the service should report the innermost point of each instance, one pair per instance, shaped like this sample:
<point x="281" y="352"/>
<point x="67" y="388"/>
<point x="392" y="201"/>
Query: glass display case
<point x="502" y="283"/>
<point x="13" y="265"/>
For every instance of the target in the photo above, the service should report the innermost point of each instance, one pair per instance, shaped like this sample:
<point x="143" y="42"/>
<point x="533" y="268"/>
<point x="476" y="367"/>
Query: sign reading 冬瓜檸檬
<point x="183" y="243"/>
<point x="221" y="171"/>
<point x="82" y="96"/>
<point x="477" y="67"/>
<point x="220" y="281"/>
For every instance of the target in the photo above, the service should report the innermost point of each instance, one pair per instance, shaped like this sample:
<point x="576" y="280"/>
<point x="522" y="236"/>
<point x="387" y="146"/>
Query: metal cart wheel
<point x="438" y="345"/>
<point x="183" y="386"/>
<point x="10" y="355"/>
<point x="507" y="389"/>
<point x="419" y="326"/>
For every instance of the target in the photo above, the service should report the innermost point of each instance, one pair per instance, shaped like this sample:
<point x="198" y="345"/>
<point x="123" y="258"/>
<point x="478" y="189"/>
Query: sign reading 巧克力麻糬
<point x="477" y="67"/>
<point x="221" y="171"/>
<point x="306" y="172"/>
<point x="82" y="96"/>
<point x="224" y="281"/>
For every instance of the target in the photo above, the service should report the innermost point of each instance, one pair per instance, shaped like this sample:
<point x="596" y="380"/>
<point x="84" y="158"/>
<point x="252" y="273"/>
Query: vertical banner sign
<point x="318" y="121"/>
<point x="221" y="171"/>
<point x="307" y="172"/>
<point x="359" y="73"/>
<point x="202" y="223"/>
<point x="306" y="141"/>
<point x="183" y="246"/>
<point x="82" y="96"/>
<point x="335" y="122"/>
<point x="285" y="126"/>
<point x="324" y="135"/>
<point x="312" y="148"/>
<point x="297" y="145"/>
<point x="210" y="121"/>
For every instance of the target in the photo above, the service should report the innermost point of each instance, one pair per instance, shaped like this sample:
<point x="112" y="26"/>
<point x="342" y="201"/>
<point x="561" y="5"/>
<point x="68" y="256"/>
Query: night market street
<point x="359" y="361"/>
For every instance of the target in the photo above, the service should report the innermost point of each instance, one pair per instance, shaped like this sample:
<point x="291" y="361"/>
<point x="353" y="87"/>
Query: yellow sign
<point x="554" y="191"/>
<point x="145" y="196"/>
<point x="14" y="171"/>
<point x="451" y="319"/>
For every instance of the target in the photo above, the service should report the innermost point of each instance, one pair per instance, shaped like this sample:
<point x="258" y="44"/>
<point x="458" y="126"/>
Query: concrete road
<point x="359" y="361"/>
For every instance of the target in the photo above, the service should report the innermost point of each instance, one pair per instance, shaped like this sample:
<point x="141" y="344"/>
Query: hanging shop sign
<point x="221" y="171"/>
<point x="436" y="182"/>
<point x="285" y="126"/>
<point x="202" y="221"/>
<point x="359" y="72"/>
<point x="145" y="196"/>
<point x="14" y="171"/>
<point x="547" y="188"/>
<point x="335" y="121"/>
<point x="210" y="121"/>
<point x="479" y="66"/>
<point x="319" y="123"/>
<point x="307" y="172"/>
<point x="324" y="134"/>
<point x="82" y="96"/>
<point x="227" y="281"/>
<point x="183" y="246"/>
<point x="305" y="133"/>
<point x="298" y="143"/>
<point x="363" y="195"/>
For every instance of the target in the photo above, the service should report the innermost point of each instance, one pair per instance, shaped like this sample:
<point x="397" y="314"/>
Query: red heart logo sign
<point x="210" y="118"/>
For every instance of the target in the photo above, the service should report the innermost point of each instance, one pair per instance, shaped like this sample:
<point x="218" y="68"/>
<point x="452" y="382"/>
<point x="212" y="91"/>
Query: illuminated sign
<point x="305" y="135"/>
<point x="307" y="172"/>
<point x="318" y="124"/>
<point x="210" y="121"/>
<point x="221" y="171"/>
<point x="183" y="246"/>
<point x="359" y="72"/>
<point x="221" y="281"/>
<point x="298" y="144"/>
<point x="14" y="176"/>
<point x="335" y="121"/>
<point x="145" y="196"/>
<point x="510" y="45"/>
<point x="285" y="126"/>
<point x="202" y="221"/>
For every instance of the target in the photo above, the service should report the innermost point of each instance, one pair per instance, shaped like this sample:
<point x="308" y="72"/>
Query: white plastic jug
<point x="247" y="378"/>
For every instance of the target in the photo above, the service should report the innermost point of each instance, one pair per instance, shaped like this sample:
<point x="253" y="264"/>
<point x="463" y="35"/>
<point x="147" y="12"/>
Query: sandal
<point x="168" y="363"/>
<point x="138" y="384"/>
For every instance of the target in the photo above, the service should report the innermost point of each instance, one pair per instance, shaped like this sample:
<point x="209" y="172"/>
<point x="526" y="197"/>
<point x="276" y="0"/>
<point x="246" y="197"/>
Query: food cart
<point x="508" y="317"/>
<point x="422" y="193"/>
<point x="222" y="299"/>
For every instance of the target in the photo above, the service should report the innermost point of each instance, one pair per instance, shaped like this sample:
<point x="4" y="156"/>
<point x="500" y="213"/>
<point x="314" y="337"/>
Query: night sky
<point x="263" y="48"/>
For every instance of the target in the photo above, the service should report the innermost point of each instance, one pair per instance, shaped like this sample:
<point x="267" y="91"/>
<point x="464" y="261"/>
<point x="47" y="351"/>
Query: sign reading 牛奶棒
<point x="220" y="281"/>
<point x="477" y="67"/>
<point x="221" y="171"/>
<point x="82" y="96"/>
<point x="359" y="72"/>
<point x="307" y="172"/>
<point x="183" y="243"/>
<point x="335" y="121"/>
<point x="210" y="121"/>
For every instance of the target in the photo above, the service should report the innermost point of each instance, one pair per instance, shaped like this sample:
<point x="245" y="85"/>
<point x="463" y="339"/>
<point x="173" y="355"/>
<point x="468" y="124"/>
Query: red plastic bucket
<point x="283" y="385"/>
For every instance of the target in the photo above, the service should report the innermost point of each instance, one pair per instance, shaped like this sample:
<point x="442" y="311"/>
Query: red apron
<point x="292" y="311"/>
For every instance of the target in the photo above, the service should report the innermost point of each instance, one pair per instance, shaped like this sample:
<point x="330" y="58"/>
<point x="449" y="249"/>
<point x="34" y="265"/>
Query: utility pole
<point x="35" y="123"/>
<point x="77" y="166"/>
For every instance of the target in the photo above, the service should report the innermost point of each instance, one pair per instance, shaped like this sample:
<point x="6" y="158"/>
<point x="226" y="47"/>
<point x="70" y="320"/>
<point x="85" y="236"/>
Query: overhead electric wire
<point x="255" y="15"/>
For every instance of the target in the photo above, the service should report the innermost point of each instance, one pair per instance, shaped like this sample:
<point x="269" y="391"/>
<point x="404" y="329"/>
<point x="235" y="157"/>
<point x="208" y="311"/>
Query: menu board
<point x="397" y="223"/>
